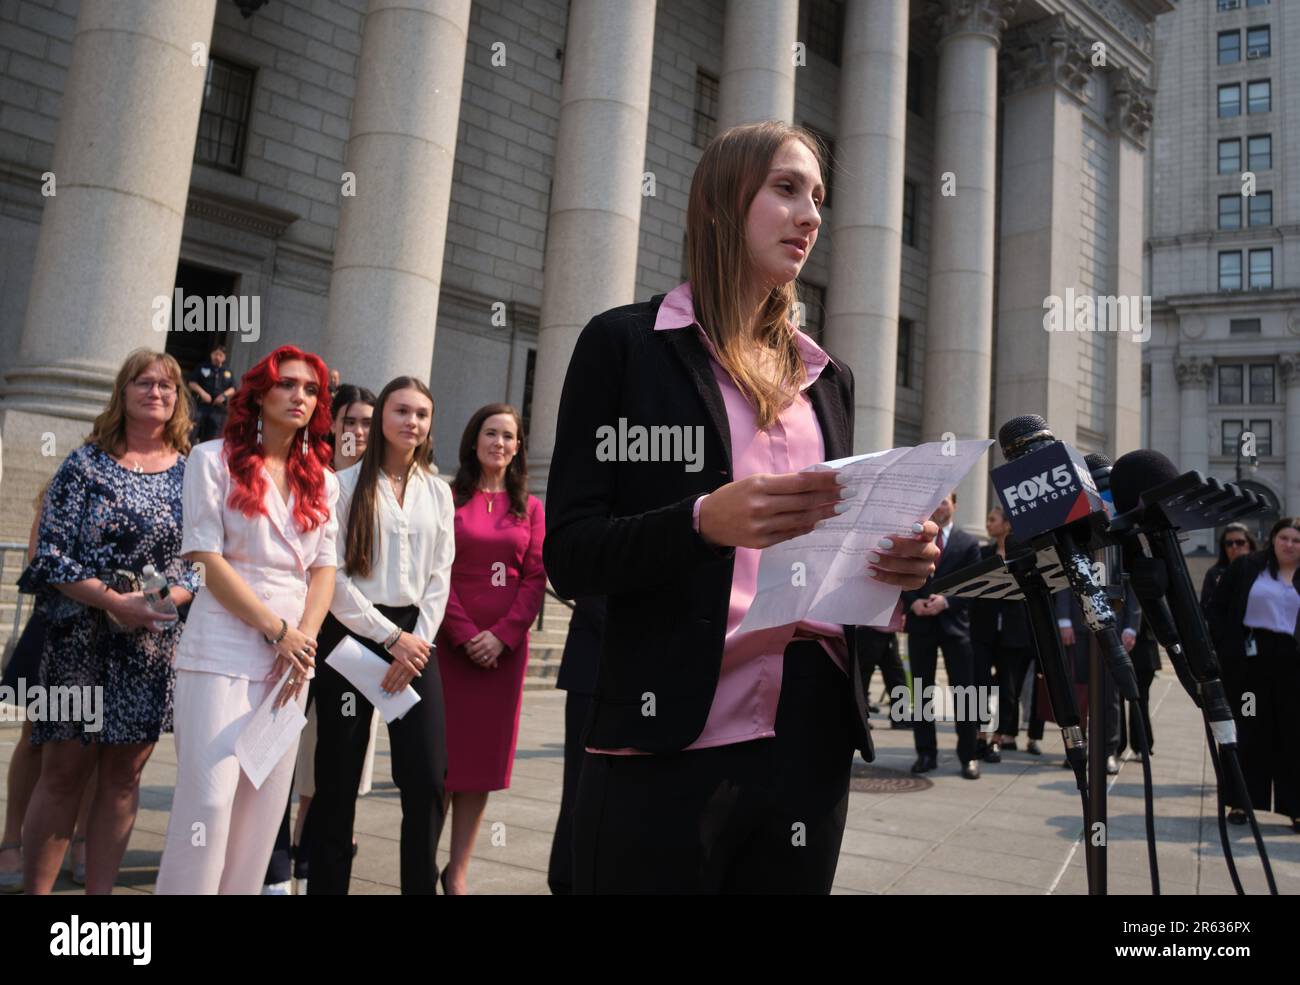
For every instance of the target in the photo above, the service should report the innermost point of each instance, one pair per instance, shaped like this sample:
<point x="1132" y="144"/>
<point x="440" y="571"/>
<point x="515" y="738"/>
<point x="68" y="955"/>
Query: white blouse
<point x="415" y="542"/>
<point x="267" y="550"/>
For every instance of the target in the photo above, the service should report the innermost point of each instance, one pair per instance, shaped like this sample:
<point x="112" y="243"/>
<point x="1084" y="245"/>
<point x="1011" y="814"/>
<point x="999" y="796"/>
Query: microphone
<point x="1112" y="573"/>
<point x="1153" y="501"/>
<point x="1048" y="494"/>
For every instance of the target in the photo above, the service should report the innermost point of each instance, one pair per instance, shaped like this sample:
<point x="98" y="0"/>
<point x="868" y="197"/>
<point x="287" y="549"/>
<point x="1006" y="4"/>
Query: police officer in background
<point x="212" y="386"/>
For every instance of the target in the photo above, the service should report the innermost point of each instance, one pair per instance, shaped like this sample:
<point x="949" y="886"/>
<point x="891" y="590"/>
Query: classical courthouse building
<point x="1224" y="356"/>
<point x="453" y="188"/>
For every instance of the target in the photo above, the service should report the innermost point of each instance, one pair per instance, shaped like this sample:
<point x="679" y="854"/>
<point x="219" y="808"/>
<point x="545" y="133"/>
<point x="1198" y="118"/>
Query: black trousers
<point x="419" y="750"/>
<point x="877" y="649"/>
<point x="1121" y="720"/>
<point x="764" y="816"/>
<point x="1013" y="662"/>
<point x="987" y="667"/>
<point x="1270" y="744"/>
<point x="959" y="659"/>
<point x="559" y="874"/>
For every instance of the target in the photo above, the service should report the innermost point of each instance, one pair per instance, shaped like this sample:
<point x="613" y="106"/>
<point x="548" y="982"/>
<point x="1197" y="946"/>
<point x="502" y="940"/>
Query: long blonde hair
<point x="109" y="429"/>
<point x="731" y="172"/>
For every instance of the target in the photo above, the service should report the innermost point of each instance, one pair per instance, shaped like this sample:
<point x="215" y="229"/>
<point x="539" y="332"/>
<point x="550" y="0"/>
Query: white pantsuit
<point x="221" y="831"/>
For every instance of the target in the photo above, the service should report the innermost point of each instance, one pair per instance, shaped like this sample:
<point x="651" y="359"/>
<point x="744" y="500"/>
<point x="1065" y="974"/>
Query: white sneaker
<point x="278" y="889"/>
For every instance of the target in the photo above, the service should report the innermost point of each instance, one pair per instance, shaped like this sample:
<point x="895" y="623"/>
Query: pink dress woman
<point x="497" y="584"/>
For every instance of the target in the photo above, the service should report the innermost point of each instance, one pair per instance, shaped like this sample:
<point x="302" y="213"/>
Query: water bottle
<point x="157" y="594"/>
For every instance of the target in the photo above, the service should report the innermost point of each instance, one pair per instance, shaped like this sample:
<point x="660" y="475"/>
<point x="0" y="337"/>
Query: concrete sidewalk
<point x="1016" y="830"/>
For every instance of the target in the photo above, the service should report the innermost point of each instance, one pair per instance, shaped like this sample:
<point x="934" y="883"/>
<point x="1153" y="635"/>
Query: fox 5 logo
<point x="1049" y="484"/>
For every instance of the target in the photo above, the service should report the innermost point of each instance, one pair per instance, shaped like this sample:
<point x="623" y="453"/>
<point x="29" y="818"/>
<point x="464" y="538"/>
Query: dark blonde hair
<point x="730" y="174"/>
<point x="109" y="429"/>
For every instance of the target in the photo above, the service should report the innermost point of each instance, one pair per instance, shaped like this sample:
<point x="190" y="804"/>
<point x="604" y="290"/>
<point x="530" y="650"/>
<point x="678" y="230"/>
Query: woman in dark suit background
<point x="1235" y="541"/>
<point x="1255" y="621"/>
<point x="720" y="759"/>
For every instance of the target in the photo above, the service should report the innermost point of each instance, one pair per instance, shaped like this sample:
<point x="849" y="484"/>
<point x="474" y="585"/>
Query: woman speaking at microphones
<point x="720" y="758"/>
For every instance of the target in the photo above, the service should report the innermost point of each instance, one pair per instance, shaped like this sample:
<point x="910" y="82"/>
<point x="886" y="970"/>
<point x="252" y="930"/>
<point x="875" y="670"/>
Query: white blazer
<point x="268" y="551"/>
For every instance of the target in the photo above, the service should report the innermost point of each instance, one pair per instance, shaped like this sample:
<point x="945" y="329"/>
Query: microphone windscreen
<point x="1017" y="430"/>
<point x="1096" y="460"/>
<point x="1137" y="472"/>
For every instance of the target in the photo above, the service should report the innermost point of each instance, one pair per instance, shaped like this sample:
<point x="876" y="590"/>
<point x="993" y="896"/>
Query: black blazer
<point x="960" y="551"/>
<point x="624" y="529"/>
<point x="582" y="646"/>
<point x="1228" y="611"/>
<point x="1015" y="631"/>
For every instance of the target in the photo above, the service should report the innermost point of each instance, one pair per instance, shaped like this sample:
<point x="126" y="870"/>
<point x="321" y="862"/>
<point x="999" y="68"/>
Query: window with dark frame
<point x="1229" y="211"/>
<point x="1261" y="269"/>
<point x="1259" y="96"/>
<point x="223" y="119"/>
<point x="1262" y="390"/>
<point x="530" y="370"/>
<point x="915" y="80"/>
<point x="1260" y="153"/>
<point x="706" y="107"/>
<point x="904" y="377"/>
<point x="1230" y="391"/>
<point x="1229" y="47"/>
<point x="1263" y="432"/>
<point x="1258" y="42"/>
<point x="1229" y="100"/>
<point x="1230" y="155"/>
<point x="909" y="213"/>
<point x="825" y="28"/>
<point x="1230" y="270"/>
<point x="1261" y="209"/>
<point x="1231" y="438"/>
<point x="1244" y="326"/>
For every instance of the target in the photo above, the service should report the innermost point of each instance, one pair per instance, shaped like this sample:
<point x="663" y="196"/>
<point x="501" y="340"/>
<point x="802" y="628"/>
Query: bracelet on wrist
<point x="393" y="638"/>
<point x="284" y="629"/>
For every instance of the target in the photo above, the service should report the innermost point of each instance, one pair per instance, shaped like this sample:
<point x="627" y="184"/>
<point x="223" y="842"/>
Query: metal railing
<point x="541" y="614"/>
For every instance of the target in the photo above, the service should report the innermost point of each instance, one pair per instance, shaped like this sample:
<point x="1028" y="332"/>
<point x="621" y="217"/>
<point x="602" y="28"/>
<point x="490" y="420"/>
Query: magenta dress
<point x="497" y="583"/>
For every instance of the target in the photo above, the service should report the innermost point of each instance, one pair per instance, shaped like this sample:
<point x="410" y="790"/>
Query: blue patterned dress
<point x="99" y="515"/>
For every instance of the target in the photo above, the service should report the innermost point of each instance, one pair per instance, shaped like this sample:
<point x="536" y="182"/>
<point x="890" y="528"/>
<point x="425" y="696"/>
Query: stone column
<point x="959" y="314"/>
<point x="110" y="234"/>
<point x="1046" y="69"/>
<point x="595" y="219"/>
<point x="1129" y="119"/>
<point x="1289" y="368"/>
<point x="1194" y="374"/>
<point x="862" y="299"/>
<point x="388" y="252"/>
<point x="758" y="67"/>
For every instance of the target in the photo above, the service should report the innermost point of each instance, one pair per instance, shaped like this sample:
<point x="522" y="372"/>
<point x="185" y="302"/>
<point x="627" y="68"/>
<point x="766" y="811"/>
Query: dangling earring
<point x="306" y="448"/>
<point x="259" y="429"/>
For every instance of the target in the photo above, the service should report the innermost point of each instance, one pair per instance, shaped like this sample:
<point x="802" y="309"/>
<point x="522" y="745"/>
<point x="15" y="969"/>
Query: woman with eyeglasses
<point x="1256" y="627"/>
<point x="113" y="508"/>
<point x="260" y="522"/>
<point x="1235" y="541"/>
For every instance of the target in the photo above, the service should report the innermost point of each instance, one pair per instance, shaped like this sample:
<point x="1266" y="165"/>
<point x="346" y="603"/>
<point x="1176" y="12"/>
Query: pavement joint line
<point x="1109" y="786"/>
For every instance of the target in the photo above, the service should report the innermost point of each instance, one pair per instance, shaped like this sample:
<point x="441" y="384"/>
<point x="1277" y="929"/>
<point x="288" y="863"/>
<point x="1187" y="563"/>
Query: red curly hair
<point x="244" y="456"/>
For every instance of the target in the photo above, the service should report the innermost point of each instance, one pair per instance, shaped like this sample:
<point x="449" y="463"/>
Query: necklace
<point x="488" y="494"/>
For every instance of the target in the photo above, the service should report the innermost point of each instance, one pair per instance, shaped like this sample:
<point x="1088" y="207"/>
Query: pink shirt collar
<point x="678" y="311"/>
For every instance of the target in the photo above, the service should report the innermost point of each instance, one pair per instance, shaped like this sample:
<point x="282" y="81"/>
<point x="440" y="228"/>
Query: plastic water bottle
<point x="157" y="594"/>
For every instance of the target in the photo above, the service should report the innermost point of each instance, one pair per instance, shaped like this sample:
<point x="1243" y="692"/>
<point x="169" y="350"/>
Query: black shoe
<point x="1009" y="746"/>
<point x="1112" y="765"/>
<point x="925" y="762"/>
<point x="993" y="754"/>
<point x="873" y="708"/>
<point x="1034" y="749"/>
<point x="1236" y="816"/>
<point x="971" y="770"/>
<point x="899" y="723"/>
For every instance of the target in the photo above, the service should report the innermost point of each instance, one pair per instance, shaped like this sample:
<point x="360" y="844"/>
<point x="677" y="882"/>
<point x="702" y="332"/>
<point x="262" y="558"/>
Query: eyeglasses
<point x="165" y="387"/>
<point x="1235" y="543"/>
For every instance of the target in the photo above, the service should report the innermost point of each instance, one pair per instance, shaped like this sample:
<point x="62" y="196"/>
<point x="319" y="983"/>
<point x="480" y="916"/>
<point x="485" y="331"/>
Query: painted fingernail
<point x="819" y="524"/>
<point x="918" y="528"/>
<point x="848" y="492"/>
<point x="885" y="543"/>
<point x="843" y="507"/>
<point x="873" y="557"/>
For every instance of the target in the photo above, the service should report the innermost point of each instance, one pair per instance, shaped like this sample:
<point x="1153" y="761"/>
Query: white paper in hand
<point x="364" y="671"/>
<point x="823" y="574"/>
<point x="269" y="735"/>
